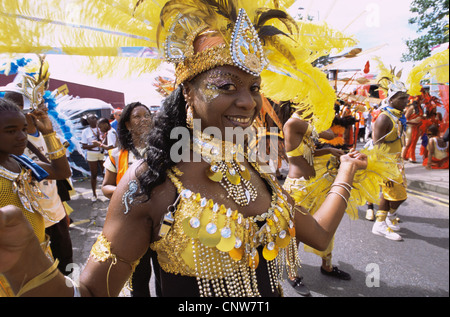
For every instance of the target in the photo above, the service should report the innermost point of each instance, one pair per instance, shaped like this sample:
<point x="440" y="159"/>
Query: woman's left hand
<point x="355" y="158"/>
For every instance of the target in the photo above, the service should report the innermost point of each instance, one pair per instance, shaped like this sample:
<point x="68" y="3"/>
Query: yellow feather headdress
<point x="389" y="80"/>
<point x="258" y="36"/>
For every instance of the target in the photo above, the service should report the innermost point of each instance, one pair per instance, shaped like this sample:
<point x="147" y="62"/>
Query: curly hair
<point x="124" y="135"/>
<point x="171" y="115"/>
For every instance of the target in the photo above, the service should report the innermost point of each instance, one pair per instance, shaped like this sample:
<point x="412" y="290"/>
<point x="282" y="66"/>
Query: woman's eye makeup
<point x="222" y="80"/>
<point x="218" y="81"/>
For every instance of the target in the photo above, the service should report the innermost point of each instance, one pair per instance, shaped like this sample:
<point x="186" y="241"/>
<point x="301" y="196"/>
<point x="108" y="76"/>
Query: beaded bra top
<point x="219" y="246"/>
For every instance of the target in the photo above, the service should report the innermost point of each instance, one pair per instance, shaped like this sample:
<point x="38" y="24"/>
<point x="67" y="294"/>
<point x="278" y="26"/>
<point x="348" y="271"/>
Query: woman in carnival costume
<point x="300" y="139"/>
<point x="437" y="150"/>
<point x="133" y="129"/>
<point x="220" y="224"/>
<point x="19" y="175"/>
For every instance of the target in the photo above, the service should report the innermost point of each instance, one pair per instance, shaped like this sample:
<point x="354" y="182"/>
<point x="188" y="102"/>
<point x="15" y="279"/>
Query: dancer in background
<point x="437" y="150"/>
<point x="90" y="140"/>
<point x="133" y="130"/>
<point x="300" y="138"/>
<point x="387" y="130"/>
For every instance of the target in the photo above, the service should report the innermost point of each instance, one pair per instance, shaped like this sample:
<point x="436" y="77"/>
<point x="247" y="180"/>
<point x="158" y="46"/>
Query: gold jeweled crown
<point x="245" y="50"/>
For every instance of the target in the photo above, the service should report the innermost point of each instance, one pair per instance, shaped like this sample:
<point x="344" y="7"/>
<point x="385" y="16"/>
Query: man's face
<point x="400" y="100"/>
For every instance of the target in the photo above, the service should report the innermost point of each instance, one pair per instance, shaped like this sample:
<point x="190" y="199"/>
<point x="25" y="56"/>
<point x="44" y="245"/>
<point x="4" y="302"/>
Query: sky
<point x="374" y="23"/>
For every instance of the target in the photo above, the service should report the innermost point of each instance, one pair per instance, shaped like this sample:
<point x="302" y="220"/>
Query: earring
<point x="190" y="117"/>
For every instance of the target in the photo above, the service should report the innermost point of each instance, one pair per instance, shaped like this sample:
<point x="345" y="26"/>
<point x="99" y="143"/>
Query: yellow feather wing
<point x="436" y="66"/>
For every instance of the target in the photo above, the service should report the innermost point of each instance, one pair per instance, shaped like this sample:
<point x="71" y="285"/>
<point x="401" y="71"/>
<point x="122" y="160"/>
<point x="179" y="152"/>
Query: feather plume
<point x="436" y="66"/>
<point x="266" y="15"/>
<point x="382" y="166"/>
<point x="107" y="30"/>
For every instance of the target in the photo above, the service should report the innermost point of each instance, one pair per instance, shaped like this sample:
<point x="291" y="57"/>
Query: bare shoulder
<point x="383" y="123"/>
<point x="296" y="125"/>
<point x="294" y="129"/>
<point x="129" y="203"/>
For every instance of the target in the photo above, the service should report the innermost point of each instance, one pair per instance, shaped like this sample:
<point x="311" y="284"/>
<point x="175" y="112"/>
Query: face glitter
<point x="218" y="81"/>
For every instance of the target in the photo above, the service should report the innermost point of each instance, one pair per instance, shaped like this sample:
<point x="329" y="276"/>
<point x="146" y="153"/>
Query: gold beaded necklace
<point x="225" y="167"/>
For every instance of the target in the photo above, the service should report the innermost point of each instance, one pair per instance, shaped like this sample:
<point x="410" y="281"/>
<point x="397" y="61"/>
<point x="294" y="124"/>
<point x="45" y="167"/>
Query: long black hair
<point x="171" y="115"/>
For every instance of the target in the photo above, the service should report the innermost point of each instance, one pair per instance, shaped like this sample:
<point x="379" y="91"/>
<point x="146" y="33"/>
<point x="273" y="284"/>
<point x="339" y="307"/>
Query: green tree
<point x="432" y="22"/>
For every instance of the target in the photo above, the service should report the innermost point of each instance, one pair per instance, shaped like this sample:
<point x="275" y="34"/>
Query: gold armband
<point x="54" y="146"/>
<point x="41" y="279"/>
<point x="101" y="252"/>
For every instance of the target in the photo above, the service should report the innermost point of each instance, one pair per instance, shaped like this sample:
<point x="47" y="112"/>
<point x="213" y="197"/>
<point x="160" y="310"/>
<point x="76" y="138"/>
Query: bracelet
<point x="343" y="197"/>
<point x="101" y="252"/>
<point x="55" y="149"/>
<point x="41" y="279"/>
<point x="346" y="184"/>
<point x="343" y="186"/>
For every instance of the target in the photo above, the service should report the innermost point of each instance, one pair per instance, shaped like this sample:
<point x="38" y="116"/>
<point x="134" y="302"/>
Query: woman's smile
<point x="240" y="121"/>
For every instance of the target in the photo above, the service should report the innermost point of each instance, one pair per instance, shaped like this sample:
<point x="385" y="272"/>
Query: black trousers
<point x="61" y="244"/>
<point x="142" y="274"/>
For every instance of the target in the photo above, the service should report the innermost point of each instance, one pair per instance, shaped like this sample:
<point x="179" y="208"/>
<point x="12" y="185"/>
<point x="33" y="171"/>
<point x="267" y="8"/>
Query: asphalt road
<point x="418" y="266"/>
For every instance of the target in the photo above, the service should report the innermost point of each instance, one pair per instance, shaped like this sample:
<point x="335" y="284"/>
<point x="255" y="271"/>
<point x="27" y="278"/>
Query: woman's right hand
<point x="357" y="160"/>
<point x="15" y="235"/>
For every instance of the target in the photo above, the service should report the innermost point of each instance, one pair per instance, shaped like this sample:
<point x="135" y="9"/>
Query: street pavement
<point x="357" y="251"/>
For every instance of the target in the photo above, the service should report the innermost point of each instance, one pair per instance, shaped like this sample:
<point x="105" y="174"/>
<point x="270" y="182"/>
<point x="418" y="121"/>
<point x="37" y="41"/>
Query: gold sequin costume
<point x="19" y="189"/>
<point x="222" y="248"/>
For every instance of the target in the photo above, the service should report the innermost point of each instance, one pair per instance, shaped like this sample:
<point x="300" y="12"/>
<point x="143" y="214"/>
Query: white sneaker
<point x="392" y="223"/>
<point x="382" y="229"/>
<point x="370" y="215"/>
<point x="93" y="199"/>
